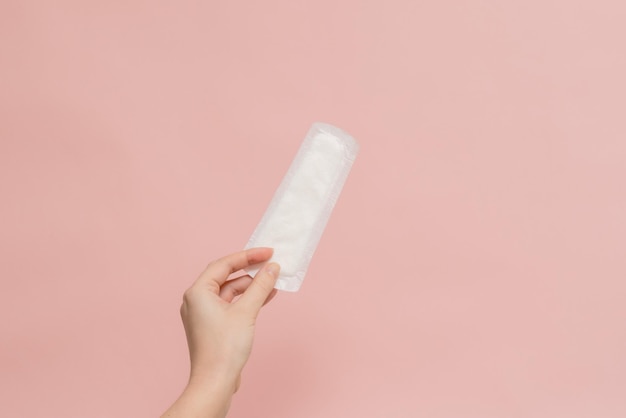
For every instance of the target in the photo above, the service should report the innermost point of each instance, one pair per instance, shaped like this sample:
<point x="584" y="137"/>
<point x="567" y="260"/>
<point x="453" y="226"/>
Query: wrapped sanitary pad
<point x="297" y="215"/>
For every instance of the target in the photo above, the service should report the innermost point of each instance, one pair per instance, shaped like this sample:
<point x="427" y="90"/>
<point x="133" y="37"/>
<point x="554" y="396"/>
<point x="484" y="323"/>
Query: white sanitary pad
<point x="297" y="215"/>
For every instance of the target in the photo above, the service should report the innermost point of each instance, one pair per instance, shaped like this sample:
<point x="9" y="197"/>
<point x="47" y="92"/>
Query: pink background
<point x="474" y="265"/>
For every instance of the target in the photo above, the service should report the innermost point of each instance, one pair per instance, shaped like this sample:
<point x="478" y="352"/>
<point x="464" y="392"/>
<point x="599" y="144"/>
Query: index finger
<point x="218" y="271"/>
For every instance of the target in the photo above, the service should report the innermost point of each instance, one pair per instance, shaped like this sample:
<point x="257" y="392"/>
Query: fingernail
<point x="273" y="269"/>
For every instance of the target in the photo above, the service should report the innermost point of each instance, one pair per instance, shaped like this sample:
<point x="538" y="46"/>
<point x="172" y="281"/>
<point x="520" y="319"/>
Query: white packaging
<point x="297" y="215"/>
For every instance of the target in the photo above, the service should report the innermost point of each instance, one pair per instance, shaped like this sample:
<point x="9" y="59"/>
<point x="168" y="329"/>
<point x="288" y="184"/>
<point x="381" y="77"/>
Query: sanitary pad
<point x="297" y="215"/>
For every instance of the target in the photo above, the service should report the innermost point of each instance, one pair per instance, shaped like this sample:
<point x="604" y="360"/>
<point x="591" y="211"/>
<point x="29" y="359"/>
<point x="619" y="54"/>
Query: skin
<point x="220" y="330"/>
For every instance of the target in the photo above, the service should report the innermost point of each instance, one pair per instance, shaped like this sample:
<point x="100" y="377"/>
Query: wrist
<point x="204" y="395"/>
<point x="215" y="381"/>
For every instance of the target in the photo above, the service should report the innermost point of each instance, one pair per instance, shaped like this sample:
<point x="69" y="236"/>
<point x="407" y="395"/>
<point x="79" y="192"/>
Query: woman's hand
<point x="220" y="331"/>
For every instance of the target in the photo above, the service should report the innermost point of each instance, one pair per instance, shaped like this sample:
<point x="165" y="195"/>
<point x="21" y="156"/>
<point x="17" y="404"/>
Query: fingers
<point x="217" y="272"/>
<point x="260" y="290"/>
<point x="235" y="287"/>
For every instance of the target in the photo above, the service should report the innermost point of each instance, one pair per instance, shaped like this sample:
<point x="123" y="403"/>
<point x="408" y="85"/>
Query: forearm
<point x="203" y="398"/>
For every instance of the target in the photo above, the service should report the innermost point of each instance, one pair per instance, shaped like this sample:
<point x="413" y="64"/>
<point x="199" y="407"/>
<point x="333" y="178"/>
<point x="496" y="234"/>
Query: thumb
<point x="259" y="290"/>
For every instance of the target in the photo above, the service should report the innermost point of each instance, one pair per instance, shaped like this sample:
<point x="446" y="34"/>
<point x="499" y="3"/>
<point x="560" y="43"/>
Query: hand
<point x="220" y="331"/>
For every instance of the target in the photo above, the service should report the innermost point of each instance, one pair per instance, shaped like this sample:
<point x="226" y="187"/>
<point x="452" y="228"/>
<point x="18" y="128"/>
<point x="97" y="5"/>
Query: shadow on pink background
<point x="474" y="265"/>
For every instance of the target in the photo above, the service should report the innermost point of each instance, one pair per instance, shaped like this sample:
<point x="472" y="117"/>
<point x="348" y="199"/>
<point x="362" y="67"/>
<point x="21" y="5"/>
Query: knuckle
<point x="211" y="265"/>
<point x="188" y="295"/>
<point x="185" y="301"/>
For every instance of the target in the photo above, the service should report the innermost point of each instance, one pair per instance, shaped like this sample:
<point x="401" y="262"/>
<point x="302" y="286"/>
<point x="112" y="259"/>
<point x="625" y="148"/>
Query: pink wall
<point x="474" y="265"/>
